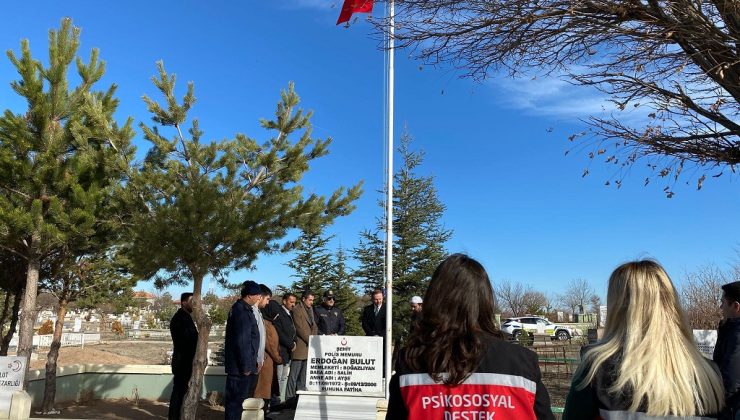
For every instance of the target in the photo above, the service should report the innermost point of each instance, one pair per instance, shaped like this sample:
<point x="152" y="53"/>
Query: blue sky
<point x="514" y="201"/>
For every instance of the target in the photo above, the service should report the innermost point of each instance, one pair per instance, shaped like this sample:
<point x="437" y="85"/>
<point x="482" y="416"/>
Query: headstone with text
<point x="344" y="378"/>
<point x="12" y="373"/>
<point x="345" y="365"/>
<point x="706" y="340"/>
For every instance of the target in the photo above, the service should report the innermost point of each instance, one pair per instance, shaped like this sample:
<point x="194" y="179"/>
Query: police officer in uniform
<point x="329" y="318"/>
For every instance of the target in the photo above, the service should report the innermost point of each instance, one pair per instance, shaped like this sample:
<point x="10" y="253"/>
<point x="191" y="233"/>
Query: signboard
<point x="12" y="372"/>
<point x="345" y="365"/>
<point x="706" y="340"/>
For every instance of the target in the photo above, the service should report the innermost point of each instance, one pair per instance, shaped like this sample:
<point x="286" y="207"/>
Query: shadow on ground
<point x="125" y="409"/>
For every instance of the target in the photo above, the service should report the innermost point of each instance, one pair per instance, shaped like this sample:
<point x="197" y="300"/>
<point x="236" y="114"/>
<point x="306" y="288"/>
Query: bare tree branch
<point x="678" y="58"/>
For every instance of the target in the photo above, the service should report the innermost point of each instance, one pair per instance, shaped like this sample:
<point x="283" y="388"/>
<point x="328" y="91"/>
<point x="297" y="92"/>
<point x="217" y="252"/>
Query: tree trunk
<point x="50" y="381"/>
<point x="28" y="314"/>
<point x="6" y="310"/>
<point x="13" y="323"/>
<point x="190" y="404"/>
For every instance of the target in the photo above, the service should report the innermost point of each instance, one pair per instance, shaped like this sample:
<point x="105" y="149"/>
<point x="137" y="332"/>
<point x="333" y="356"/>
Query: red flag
<point x="354" y="6"/>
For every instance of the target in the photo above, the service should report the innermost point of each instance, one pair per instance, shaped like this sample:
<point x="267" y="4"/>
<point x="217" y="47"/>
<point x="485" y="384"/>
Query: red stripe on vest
<point x="468" y="402"/>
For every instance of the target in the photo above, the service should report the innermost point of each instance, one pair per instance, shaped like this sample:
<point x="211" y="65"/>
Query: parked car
<point x="538" y="325"/>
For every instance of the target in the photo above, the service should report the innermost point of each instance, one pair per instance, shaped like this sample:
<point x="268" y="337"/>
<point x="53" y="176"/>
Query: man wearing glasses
<point x="329" y="318"/>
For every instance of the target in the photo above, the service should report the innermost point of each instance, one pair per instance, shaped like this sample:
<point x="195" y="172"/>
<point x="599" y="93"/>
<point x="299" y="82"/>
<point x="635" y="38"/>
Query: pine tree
<point x="370" y="255"/>
<point x="312" y="263"/>
<point x="419" y="239"/>
<point x="57" y="160"/>
<point x="212" y="207"/>
<point x="341" y="283"/>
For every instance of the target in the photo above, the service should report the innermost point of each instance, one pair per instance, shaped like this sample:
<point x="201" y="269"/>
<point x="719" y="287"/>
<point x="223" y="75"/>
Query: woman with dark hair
<point x="457" y="364"/>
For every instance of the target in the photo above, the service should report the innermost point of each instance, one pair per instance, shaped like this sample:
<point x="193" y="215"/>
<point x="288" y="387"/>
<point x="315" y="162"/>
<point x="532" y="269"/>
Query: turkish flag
<point x="354" y="6"/>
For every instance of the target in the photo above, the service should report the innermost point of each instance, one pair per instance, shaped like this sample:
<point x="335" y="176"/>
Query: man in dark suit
<point x="305" y="327"/>
<point x="184" y="339"/>
<point x="240" y="350"/>
<point x="373" y="317"/>
<point x="286" y="336"/>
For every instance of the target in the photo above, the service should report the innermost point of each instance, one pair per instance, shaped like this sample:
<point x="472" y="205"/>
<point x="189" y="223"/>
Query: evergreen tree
<point x="216" y="311"/>
<point x="419" y="238"/>
<point x="340" y="282"/>
<point x="212" y="207"/>
<point x="163" y="308"/>
<point x="58" y="159"/>
<point x="370" y="255"/>
<point x="312" y="263"/>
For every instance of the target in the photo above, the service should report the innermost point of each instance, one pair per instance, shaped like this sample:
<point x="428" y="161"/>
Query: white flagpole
<point x="389" y="208"/>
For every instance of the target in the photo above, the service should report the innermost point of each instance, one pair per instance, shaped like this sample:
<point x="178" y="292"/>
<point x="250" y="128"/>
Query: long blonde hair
<point x="657" y="360"/>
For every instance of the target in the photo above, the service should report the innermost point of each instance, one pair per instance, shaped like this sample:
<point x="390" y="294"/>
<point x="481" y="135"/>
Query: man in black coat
<point x="240" y="350"/>
<point x="373" y="317"/>
<point x="286" y="338"/>
<point x="727" y="349"/>
<point x="184" y="339"/>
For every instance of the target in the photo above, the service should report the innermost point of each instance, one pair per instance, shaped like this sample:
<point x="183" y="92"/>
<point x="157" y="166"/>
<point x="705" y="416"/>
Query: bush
<point x="116" y="327"/>
<point x="46" y="328"/>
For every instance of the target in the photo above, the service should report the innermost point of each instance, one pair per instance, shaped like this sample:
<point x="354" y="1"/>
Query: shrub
<point x="116" y="327"/>
<point x="46" y="328"/>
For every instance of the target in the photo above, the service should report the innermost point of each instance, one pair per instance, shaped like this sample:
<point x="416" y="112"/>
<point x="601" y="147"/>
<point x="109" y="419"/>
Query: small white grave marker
<point x="12" y="373"/>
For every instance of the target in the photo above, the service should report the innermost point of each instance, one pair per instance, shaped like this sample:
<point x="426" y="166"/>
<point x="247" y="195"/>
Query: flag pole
<point x="389" y="206"/>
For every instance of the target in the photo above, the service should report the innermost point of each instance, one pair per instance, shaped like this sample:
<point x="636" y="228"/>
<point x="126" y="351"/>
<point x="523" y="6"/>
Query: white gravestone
<point x="706" y="340"/>
<point x="344" y="378"/>
<point x="12" y="372"/>
<point x="78" y="325"/>
<point x="345" y="365"/>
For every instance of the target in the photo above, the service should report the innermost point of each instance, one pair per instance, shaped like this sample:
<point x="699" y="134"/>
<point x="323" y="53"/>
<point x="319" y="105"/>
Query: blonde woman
<point x="647" y="365"/>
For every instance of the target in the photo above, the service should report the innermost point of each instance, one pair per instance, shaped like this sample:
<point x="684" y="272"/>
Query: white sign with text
<point x="12" y="373"/>
<point x="345" y="365"/>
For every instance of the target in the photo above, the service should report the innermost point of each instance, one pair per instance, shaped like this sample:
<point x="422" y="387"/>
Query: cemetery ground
<point x="125" y="352"/>
<point x="558" y="361"/>
<point x="112" y="353"/>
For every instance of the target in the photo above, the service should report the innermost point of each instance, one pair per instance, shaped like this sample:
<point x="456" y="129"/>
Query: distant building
<point x="144" y="299"/>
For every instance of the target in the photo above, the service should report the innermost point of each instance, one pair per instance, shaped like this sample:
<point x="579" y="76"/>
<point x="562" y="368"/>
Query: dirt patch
<point x="120" y="353"/>
<point x="112" y="353"/>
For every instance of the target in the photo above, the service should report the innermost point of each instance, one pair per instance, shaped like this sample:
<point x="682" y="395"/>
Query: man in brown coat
<point x="305" y="326"/>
